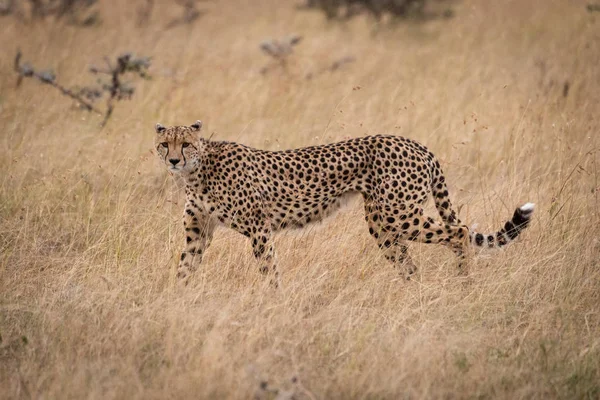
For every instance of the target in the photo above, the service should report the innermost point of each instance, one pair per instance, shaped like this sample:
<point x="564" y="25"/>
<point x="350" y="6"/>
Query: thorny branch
<point x="48" y="77"/>
<point x="190" y="13"/>
<point x="117" y="89"/>
<point x="337" y="64"/>
<point x="77" y="12"/>
<point x="346" y="9"/>
<point x="281" y="49"/>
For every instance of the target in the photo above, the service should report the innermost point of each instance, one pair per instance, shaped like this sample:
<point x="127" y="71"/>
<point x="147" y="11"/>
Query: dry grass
<point x="89" y="219"/>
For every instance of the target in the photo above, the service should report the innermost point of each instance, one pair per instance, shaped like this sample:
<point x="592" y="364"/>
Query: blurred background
<point x="505" y="93"/>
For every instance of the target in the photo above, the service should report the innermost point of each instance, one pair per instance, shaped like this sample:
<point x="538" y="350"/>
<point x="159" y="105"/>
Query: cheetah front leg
<point x="264" y="251"/>
<point x="199" y="228"/>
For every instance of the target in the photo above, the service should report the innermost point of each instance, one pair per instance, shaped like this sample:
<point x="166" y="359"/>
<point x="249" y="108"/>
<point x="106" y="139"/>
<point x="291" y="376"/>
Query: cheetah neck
<point x="196" y="178"/>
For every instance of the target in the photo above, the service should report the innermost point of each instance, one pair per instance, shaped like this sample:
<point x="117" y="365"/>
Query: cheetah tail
<point x="442" y="201"/>
<point x="520" y="220"/>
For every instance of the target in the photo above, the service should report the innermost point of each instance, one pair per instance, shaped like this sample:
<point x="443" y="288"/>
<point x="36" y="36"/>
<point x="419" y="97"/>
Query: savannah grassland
<point x="90" y="220"/>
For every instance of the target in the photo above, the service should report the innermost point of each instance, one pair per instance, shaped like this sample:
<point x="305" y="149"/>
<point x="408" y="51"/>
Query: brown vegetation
<point x="90" y="220"/>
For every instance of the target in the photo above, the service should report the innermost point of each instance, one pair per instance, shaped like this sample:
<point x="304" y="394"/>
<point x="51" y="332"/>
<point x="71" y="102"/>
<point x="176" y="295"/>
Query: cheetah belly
<point x="344" y="201"/>
<point x="292" y="218"/>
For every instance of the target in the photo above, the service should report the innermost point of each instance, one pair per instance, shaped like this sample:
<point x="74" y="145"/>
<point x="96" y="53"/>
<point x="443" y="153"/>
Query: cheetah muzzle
<point x="258" y="192"/>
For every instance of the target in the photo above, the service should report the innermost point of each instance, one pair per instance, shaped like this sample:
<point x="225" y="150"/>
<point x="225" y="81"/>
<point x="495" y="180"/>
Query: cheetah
<point x="258" y="192"/>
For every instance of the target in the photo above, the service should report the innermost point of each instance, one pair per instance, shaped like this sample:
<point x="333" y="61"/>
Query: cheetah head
<point x="179" y="146"/>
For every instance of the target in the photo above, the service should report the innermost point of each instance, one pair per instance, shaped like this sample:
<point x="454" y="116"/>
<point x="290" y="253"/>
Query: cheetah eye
<point x="164" y="144"/>
<point x="184" y="145"/>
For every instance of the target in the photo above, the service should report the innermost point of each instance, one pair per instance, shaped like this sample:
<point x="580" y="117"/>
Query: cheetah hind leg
<point x="426" y="230"/>
<point x="393" y="249"/>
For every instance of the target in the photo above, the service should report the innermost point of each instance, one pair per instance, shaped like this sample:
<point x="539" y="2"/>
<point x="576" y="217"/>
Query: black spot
<point x="500" y="239"/>
<point x="479" y="239"/>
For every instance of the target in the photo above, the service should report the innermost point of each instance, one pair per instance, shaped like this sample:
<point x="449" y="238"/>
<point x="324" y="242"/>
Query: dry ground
<point x="89" y="219"/>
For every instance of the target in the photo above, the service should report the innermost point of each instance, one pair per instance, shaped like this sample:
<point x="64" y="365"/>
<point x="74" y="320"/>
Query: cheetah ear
<point x="159" y="128"/>
<point x="196" y="125"/>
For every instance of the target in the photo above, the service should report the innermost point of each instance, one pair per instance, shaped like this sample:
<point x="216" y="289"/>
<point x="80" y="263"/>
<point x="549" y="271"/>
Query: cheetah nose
<point x="174" y="161"/>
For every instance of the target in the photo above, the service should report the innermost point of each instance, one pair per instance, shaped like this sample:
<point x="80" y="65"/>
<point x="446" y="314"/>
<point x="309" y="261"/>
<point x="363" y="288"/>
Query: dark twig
<point x="398" y="9"/>
<point x="7" y="8"/>
<point x="593" y="7"/>
<point x="77" y="12"/>
<point x="279" y="50"/>
<point x="48" y="77"/>
<point x="117" y="89"/>
<point x="337" y="64"/>
<point x="190" y="13"/>
<point x="144" y="12"/>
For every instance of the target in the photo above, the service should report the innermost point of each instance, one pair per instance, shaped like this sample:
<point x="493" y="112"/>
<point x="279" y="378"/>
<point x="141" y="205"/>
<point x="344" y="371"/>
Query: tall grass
<point x="90" y="220"/>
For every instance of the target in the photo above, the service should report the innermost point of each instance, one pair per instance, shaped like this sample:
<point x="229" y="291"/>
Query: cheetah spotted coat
<point x="258" y="192"/>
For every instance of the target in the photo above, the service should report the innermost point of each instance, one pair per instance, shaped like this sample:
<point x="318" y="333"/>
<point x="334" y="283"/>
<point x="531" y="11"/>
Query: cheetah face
<point x="179" y="146"/>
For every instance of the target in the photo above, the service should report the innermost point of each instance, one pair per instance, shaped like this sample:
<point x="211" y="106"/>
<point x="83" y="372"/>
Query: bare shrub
<point x="593" y="7"/>
<point x="281" y="51"/>
<point x="76" y="12"/>
<point x="116" y="89"/>
<point x="189" y="13"/>
<point x="397" y="9"/>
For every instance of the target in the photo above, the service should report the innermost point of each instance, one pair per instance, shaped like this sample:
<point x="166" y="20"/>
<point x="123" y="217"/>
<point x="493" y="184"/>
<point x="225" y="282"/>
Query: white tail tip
<point x="527" y="207"/>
